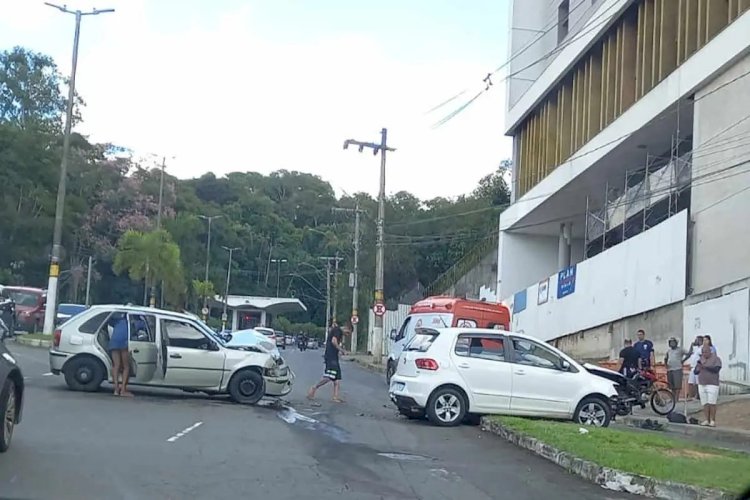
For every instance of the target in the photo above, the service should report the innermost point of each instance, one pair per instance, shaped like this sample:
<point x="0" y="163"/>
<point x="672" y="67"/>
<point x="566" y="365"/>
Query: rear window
<point x="93" y="324"/>
<point x="422" y="340"/>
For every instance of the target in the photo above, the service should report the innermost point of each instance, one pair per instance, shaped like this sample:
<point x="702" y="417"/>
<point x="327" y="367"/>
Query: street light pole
<point x="226" y="290"/>
<point x="382" y="148"/>
<point x="278" y="263"/>
<point x="56" y="254"/>
<point x="208" y="257"/>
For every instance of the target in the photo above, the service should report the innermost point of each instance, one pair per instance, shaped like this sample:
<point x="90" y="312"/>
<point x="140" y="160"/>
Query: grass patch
<point x="35" y="336"/>
<point x="648" y="454"/>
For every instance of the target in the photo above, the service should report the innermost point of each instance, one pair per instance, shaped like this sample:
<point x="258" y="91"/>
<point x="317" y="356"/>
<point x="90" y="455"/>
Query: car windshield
<point x="29" y="299"/>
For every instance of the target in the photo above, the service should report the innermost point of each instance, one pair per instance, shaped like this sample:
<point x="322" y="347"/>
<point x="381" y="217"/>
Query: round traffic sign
<point x="355" y="320"/>
<point x="378" y="309"/>
<point x="204" y="311"/>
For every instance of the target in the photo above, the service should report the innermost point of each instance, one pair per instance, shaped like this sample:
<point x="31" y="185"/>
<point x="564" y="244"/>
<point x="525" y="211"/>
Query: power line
<point x="546" y="56"/>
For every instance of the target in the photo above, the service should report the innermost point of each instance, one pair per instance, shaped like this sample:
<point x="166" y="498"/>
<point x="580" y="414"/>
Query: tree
<point x="203" y="289"/>
<point x="30" y="91"/>
<point x="152" y="257"/>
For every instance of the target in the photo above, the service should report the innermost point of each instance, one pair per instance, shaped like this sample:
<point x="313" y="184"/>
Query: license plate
<point x="399" y="386"/>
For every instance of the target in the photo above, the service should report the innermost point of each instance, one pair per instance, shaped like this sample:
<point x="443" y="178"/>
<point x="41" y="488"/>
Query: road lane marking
<point x="48" y="374"/>
<point x="182" y="433"/>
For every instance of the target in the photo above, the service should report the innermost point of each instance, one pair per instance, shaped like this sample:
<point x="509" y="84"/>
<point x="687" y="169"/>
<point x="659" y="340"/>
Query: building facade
<point x="631" y="175"/>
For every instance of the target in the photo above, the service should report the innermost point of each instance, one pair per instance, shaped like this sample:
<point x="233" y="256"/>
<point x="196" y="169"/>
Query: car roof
<point x="141" y="309"/>
<point x="456" y="331"/>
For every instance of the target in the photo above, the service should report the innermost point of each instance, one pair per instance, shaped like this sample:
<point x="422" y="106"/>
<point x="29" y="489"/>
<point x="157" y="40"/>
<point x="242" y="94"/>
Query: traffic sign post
<point x="379" y="309"/>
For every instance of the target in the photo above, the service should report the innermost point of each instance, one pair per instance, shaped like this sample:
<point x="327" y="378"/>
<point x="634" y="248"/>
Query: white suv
<point x="167" y="349"/>
<point x="449" y="373"/>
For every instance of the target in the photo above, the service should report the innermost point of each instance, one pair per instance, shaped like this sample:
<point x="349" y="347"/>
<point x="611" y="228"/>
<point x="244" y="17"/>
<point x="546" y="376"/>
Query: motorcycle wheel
<point x="663" y="401"/>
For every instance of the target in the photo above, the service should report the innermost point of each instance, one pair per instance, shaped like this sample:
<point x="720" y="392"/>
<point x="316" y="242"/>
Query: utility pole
<point x="226" y="290"/>
<point x="152" y="300"/>
<point x="328" y="294"/>
<point x="278" y="263"/>
<point x="56" y="255"/>
<point x="355" y="282"/>
<point x="336" y="286"/>
<point x="208" y="259"/>
<point x="377" y="344"/>
<point x="88" y="281"/>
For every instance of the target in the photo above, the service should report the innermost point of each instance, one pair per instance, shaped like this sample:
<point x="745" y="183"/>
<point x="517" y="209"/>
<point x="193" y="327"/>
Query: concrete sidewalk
<point x="367" y="361"/>
<point x="733" y="413"/>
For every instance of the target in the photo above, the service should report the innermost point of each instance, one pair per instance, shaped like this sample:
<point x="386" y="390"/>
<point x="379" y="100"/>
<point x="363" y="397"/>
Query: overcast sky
<point x="262" y="85"/>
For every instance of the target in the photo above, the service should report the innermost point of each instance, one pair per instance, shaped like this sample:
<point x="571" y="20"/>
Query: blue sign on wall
<point x="566" y="282"/>
<point x="519" y="302"/>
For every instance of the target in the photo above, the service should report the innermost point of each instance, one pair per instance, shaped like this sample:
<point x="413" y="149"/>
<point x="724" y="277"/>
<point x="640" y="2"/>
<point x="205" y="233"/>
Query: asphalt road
<point x="174" y="445"/>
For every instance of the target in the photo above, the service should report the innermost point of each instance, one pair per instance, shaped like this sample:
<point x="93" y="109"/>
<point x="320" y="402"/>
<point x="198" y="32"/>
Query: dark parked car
<point x="67" y="311"/>
<point x="11" y="396"/>
<point x="30" y="306"/>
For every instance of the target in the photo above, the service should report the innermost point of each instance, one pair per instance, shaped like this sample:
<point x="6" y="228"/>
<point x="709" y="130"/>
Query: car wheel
<point x="389" y="372"/>
<point x="247" y="387"/>
<point x="8" y="410"/>
<point x="446" y="407"/>
<point x="84" y="374"/>
<point x="594" y="411"/>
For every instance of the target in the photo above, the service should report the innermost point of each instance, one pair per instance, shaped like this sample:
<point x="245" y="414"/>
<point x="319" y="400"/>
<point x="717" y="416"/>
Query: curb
<point x="46" y="344"/>
<point x="610" y="479"/>
<point x="369" y="365"/>
<point x="717" y="433"/>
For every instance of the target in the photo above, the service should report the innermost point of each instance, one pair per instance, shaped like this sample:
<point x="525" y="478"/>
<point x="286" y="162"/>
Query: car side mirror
<point x="565" y="366"/>
<point x="393" y="334"/>
<point x="213" y="346"/>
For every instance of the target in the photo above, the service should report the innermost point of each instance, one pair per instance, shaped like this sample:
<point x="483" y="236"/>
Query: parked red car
<point x="30" y="306"/>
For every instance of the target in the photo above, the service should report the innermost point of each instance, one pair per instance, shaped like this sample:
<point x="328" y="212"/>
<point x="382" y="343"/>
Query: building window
<point x="563" y="13"/>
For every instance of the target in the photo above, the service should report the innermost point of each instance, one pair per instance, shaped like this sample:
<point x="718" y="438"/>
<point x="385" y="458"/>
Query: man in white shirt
<point x="695" y="355"/>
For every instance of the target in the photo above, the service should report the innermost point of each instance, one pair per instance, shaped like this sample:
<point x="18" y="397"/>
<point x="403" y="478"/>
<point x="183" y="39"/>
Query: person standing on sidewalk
<point x="646" y="350"/>
<point x="332" y="373"/>
<point x="708" y="369"/>
<point x="674" y="359"/>
<point x="695" y="355"/>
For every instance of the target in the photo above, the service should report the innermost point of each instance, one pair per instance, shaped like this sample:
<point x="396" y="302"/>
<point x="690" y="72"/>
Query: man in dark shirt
<point x="646" y="350"/>
<point x="629" y="357"/>
<point x="332" y="365"/>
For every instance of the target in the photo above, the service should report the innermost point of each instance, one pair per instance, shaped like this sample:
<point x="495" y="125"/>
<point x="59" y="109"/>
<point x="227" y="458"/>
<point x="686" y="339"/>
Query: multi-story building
<point x="631" y="182"/>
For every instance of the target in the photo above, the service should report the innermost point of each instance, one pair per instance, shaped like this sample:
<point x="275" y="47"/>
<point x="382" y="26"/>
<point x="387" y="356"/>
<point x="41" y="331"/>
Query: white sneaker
<point x="705" y="423"/>
<point x="712" y="424"/>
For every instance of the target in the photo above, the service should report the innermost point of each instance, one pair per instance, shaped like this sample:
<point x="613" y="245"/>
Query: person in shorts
<point x="118" y="350"/>
<point x="673" y="359"/>
<point x="708" y="383"/>
<point x="332" y="366"/>
<point x="695" y="355"/>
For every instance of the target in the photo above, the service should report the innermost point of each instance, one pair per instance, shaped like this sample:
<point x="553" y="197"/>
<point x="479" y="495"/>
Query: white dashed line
<point x="48" y="374"/>
<point x="180" y="434"/>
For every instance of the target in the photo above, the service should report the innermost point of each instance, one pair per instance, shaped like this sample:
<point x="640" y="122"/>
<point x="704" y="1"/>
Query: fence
<point x="392" y="319"/>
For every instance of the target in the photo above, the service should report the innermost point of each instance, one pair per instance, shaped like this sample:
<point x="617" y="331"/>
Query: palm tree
<point x="153" y="257"/>
<point x="203" y="289"/>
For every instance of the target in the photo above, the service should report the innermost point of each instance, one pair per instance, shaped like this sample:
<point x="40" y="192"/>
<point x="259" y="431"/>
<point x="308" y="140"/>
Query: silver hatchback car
<point x="167" y="349"/>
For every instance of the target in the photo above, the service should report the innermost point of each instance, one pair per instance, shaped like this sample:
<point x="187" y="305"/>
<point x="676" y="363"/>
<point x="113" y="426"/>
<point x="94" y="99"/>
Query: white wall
<point x="720" y="207"/>
<point x="534" y="25"/>
<point x="524" y="259"/>
<point x="641" y="274"/>
<point x="726" y="320"/>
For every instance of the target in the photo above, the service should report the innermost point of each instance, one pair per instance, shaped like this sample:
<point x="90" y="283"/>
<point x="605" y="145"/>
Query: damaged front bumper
<point x="279" y="381"/>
